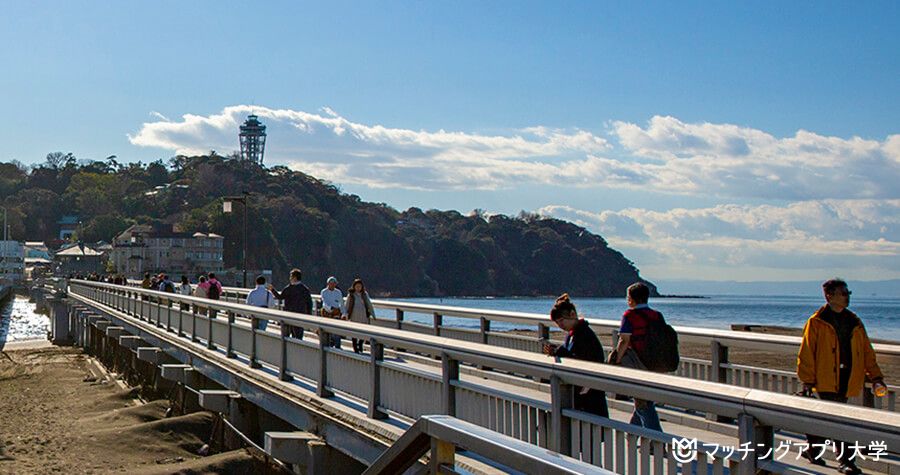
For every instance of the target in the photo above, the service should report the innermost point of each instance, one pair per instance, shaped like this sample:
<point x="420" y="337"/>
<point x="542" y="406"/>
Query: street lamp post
<point x="226" y="208"/>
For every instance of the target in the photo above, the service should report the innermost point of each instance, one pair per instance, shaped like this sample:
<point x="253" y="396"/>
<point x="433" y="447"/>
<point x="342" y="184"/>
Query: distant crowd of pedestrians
<point x="295" y="297"/>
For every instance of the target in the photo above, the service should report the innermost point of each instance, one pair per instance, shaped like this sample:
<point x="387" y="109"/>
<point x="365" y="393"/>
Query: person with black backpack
<point x="638" y="331"/>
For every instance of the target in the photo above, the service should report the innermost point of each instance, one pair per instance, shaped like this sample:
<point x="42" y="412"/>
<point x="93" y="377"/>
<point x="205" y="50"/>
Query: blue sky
<point x="706" y="139"/>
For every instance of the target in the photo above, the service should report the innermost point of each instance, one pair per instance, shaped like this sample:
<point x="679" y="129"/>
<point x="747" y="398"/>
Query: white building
<point x="143" y="248"/>
<point x="12" y="261"/>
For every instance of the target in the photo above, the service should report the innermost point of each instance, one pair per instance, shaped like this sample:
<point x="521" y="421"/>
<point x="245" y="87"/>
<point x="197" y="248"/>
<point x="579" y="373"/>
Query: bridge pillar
<point x="290" y="447"/>
<point x="216" y="400"/>
<point x="60" y="329"/>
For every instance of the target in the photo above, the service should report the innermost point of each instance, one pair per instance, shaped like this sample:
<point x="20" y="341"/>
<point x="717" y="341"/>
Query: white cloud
<point x="727" y="160"/>
<point x="808" y="236"/>
<point x="667" y="156"/>
<point x="330" y="146"/>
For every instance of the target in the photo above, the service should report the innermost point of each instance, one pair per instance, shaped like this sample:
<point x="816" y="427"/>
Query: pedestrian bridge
<point x="453" y="400"/>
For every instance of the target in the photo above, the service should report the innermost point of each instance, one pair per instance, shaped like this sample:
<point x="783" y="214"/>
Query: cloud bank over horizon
<point x="667" y="155"/>
<point x="836" y="200"/>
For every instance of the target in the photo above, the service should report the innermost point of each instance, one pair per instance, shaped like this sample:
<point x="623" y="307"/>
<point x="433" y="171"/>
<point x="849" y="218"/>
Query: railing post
<point x="180" y="319"/>
<point x="321" y="386"/>
<point x="194" y="323"/>
<point x="282" y="368"/>
<point x="561" y="395"/>
<point x="485" y="328"/>
<point x="399" y="319"/>
<point x="376" y="355"/>
<point x="229" y="349"/>
<point x="254" y="322"/>
<point x="449" y="376"/>
<point x="759" y="438"/>
<point x="168" y="315"/>
<point x="718" y="373"/>
<point x="209" y="321"/>
<point x="442" y="455"/>
<point x="543" y="332"/>
<point x="438" y="322"/>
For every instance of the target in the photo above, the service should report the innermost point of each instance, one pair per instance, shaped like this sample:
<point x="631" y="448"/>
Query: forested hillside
<point x="298" y="220"/>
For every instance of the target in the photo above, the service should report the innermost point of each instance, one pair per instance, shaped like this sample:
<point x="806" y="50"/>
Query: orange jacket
<point x="818" y="360"/>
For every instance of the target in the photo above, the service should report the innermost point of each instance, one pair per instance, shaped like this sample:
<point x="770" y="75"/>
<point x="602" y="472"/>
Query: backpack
<point x="213" y="292"/>
<point x="660" y="352"/>
<point x="169" y="287"/>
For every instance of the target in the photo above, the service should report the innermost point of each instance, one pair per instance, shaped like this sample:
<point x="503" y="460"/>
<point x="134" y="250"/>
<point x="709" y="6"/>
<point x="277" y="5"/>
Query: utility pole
<point x="226" y="208"/>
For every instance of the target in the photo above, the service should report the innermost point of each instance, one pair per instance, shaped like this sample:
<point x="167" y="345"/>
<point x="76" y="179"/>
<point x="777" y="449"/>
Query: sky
<point x="705" y="140"/>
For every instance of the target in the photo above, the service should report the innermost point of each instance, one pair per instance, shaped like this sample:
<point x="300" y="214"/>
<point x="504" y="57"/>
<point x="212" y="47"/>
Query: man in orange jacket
<point x="836" y="359"/>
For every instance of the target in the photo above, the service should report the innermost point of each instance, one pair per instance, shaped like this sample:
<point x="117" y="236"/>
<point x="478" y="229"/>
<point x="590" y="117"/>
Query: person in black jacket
<point x="297" y="298"/>
<point x="581" y="343"/>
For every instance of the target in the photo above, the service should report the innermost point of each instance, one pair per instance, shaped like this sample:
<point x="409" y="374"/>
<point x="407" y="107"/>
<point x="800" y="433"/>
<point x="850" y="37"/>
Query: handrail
<point x="780" y="343"/>
<point x="787" y="412"/>
<point x="442" y="435"/>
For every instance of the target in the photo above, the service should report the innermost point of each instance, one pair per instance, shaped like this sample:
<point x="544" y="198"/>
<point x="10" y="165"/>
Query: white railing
<point x="549" y="422"/>
<point x="716" y="369"/>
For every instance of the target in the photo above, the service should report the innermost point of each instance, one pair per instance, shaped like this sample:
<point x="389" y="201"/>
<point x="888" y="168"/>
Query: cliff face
<point x="296" y="220"/>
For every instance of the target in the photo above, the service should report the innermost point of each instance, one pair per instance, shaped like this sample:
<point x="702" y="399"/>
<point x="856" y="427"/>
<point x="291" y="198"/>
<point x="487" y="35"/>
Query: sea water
<point x="880" y="315"/>
<point x="19" y="321"/>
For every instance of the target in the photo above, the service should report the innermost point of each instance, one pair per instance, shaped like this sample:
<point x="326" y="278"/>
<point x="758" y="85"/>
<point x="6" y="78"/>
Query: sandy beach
<point x="59" y="417"/>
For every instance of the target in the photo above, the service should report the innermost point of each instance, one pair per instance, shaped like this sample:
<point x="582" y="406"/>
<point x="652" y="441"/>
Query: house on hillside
<point x="145" y="248"/>
<point x="79" y="259"/>
<point x="67" y="227"/>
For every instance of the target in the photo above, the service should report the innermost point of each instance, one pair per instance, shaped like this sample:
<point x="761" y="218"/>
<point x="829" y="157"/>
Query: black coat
<point x="583" y="344"/>
<point x="297" y="298"/>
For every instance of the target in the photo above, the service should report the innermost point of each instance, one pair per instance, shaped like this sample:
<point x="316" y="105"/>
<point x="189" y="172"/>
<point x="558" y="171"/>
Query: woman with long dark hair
<point x="580" y="343"/>
<point x="359" y="308"/>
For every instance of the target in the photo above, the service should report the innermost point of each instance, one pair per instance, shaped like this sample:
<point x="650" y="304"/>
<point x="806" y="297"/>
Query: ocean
<point x="880" y="315"/>
<point x="20" y="321"/>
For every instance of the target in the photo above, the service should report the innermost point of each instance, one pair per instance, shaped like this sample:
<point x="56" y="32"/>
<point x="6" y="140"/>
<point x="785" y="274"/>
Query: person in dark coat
<point x="297" y="298"/>
<point x="581" y="343"/>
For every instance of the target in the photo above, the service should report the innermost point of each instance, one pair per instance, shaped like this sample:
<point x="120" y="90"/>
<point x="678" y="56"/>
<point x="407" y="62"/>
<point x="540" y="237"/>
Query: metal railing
<point x="717" y="368"/>
<point x="442" y="436"/>
<point x="546" y="420"/>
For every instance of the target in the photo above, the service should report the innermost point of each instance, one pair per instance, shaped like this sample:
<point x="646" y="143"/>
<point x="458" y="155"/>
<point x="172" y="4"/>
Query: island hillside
<point x="297" y="220"/>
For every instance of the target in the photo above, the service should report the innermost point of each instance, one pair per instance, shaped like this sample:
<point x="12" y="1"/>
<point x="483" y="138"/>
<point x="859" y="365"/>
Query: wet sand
<point x="57" y="417"/>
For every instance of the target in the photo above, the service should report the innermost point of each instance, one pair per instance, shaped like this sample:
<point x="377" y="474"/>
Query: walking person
<point x="633" y="335"/>
<point x="261" y="297"/>
<point x="580" y="343"/>
<point x="185" y="289"/>
<point x="332" y="305"/>
<point x="359" y="309"/>
<point x="297" y="298"/>
<point x="201" y="291"/>
<point x="835" y="360"/>
<point x="146" y="283"/>
<point x="166" y="285"/>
